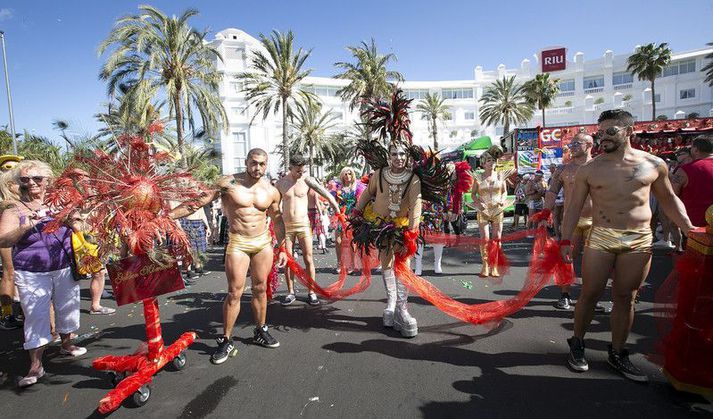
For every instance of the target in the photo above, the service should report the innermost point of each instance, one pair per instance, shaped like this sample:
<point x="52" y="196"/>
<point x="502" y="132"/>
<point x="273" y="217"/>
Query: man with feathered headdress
<point x="387" y="215"/>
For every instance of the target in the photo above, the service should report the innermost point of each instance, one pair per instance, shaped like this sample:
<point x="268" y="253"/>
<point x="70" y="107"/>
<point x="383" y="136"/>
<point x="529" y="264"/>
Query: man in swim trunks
<point x="295" y="188"/>
<point x="563" y="178"/>
<point x="619" y="183"/>
<point x="247" y="200"/>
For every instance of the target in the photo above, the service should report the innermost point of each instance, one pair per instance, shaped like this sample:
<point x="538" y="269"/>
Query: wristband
<point x="565" y="243"/>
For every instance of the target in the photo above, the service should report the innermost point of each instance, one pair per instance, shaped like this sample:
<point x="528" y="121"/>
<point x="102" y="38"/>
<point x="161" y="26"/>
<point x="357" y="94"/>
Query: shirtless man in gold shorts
<point x="396" y="194"/>
<point x="563" y="178"/>
<point x="247" y="199"/>
<point x="295" y="188"/>
<point x="619" y="183"/>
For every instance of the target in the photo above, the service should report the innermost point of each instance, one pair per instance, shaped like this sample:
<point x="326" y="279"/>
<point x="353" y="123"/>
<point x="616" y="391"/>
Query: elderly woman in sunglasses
<point x="42" y="264"/>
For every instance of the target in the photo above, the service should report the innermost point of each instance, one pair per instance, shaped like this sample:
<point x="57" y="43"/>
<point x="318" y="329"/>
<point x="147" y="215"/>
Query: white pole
<point x="9" y="96"/>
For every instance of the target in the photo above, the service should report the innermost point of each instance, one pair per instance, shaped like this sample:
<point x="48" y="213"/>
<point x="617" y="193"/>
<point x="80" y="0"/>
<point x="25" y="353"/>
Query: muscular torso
<point x="620" y="190"/>
<point x="567" y="176"/>
<point x="246" y="207"/>
<point x="294" y="199"/>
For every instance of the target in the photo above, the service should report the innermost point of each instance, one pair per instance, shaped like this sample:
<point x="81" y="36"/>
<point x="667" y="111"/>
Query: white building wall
<point x="579" y="106"/>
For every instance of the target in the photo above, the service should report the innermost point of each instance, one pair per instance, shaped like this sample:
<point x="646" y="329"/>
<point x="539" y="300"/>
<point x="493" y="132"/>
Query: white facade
<point x="586" y="89"/>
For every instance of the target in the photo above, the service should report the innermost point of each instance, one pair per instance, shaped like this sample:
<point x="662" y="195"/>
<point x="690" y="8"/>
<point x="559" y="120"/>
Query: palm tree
<point x="647" y="64"/>
<point x="274" y="81"/>
<point x="505" y="102"/>
<point x="311" y="126"/>
<point x="433" y="108"/>
<point x="542" y="91"/>
<point x="154" y="53"/>
<point x="708" y="68"/>
<point x="368" y="77"/>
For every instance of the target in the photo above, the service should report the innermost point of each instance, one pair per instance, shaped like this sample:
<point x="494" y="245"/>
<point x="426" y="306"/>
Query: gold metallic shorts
<point x="248" y="245"/>
<point x="487" y="218"/>
<point x="584" y="224"/>
<point x="298" y="230"/>
<point x="612" y="240"/>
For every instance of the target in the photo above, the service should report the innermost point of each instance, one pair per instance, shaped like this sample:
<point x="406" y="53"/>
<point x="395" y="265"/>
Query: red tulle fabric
<point x="542" y="267"/>
<point x="335" y="290"/>
<point x="543" y="215"/>
<point x="684" y="318"/>
<point x="497" y="258"/>
<point x="464" y="183"/>
<point x="273" y="280"/>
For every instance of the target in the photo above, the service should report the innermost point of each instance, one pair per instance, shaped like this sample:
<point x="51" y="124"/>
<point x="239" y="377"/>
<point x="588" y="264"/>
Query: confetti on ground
<point x="467" y="284"/>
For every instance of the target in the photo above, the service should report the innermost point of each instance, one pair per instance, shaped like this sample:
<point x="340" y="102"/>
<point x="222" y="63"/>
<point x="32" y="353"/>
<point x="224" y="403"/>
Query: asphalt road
<point x="336" y="360"/>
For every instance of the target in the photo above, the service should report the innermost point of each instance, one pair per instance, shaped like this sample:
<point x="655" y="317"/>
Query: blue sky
<point x="51" y="45"/>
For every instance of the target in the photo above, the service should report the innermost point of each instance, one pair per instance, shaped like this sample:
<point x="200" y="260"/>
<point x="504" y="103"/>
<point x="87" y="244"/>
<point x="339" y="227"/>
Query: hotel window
<point x="657" y="97"/>
<point x="234" y="53"/>
<point x="567" y="85"/>
<point x="466" y="93"/>
<point x="323" y="90"/>
<point x="680" y="67"/>
<point x="469" y="115"/>
<point x="236" y="87"/>
<point x="240" y="151"/>
<point x="416" y="94"/>
<point x="593" y="82"/>
<point x="687" y="93"/>
<point x="622" y="77"/>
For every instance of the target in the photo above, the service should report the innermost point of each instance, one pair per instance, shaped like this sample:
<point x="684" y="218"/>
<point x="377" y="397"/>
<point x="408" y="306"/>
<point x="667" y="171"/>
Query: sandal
<point x="31" y="379"/>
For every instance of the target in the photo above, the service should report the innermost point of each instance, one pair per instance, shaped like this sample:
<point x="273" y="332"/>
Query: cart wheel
<point x="141" y="396"/>
<point x="116" y="378"/>
<point x="179" y="362"/>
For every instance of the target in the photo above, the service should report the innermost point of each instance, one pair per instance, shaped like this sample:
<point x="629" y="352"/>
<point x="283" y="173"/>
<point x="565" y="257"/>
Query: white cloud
<point x="5" y="14"/>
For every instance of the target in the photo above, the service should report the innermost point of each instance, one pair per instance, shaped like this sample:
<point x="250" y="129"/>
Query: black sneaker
<point x="224" y="350"/>
<point x="312" y="299"/>
<point x="621" y="363"/>
<point x="576" y="358"/>
<point x="10" y="322"/>
<point x="564" y="302"/>
<point x="264" y="338"/>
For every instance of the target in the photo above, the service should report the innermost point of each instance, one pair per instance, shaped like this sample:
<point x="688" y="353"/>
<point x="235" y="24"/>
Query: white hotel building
<point x="586" y="89"/>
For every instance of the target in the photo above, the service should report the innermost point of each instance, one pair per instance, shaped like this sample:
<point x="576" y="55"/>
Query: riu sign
<point x="554" y="60"/>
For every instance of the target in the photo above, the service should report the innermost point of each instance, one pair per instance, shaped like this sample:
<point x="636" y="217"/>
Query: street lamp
<point x="9" y="96"/>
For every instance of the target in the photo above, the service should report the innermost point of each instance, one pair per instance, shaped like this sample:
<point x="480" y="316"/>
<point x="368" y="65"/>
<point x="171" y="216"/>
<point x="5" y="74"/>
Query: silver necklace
<point x="396" y="184"/>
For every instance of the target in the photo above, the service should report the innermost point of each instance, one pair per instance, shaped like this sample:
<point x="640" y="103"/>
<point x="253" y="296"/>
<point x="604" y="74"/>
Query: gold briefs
<point x="298" y="230"/>
<point x="248" y="245"/>
<point x="584" y="224"/>
<point x="612" y="240"/>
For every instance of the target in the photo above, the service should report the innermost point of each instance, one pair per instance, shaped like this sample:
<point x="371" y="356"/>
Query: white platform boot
<point x="403" y="322"/>
<point x="390" y="285"/>
<point x="418" y="258"/>
<point x="437" y="256"/>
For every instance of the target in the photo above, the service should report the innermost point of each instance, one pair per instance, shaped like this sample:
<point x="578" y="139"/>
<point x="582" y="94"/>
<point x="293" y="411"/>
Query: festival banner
<point x="550" y="149"/>
<point x="137" y="278"/>
<point x="527" y="140"/>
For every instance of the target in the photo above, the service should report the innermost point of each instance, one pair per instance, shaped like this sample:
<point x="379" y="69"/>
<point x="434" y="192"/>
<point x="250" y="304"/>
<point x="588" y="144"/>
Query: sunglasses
<point x="611" y="131"/>
<point x="36" y="179"/>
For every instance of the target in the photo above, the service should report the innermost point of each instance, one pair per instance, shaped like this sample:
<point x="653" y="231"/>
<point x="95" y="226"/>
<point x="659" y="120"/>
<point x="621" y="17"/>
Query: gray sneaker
<point x="289" y="299"/>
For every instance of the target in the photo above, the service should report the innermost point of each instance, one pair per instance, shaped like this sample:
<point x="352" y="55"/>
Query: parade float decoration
<point x="126" y="193"/>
